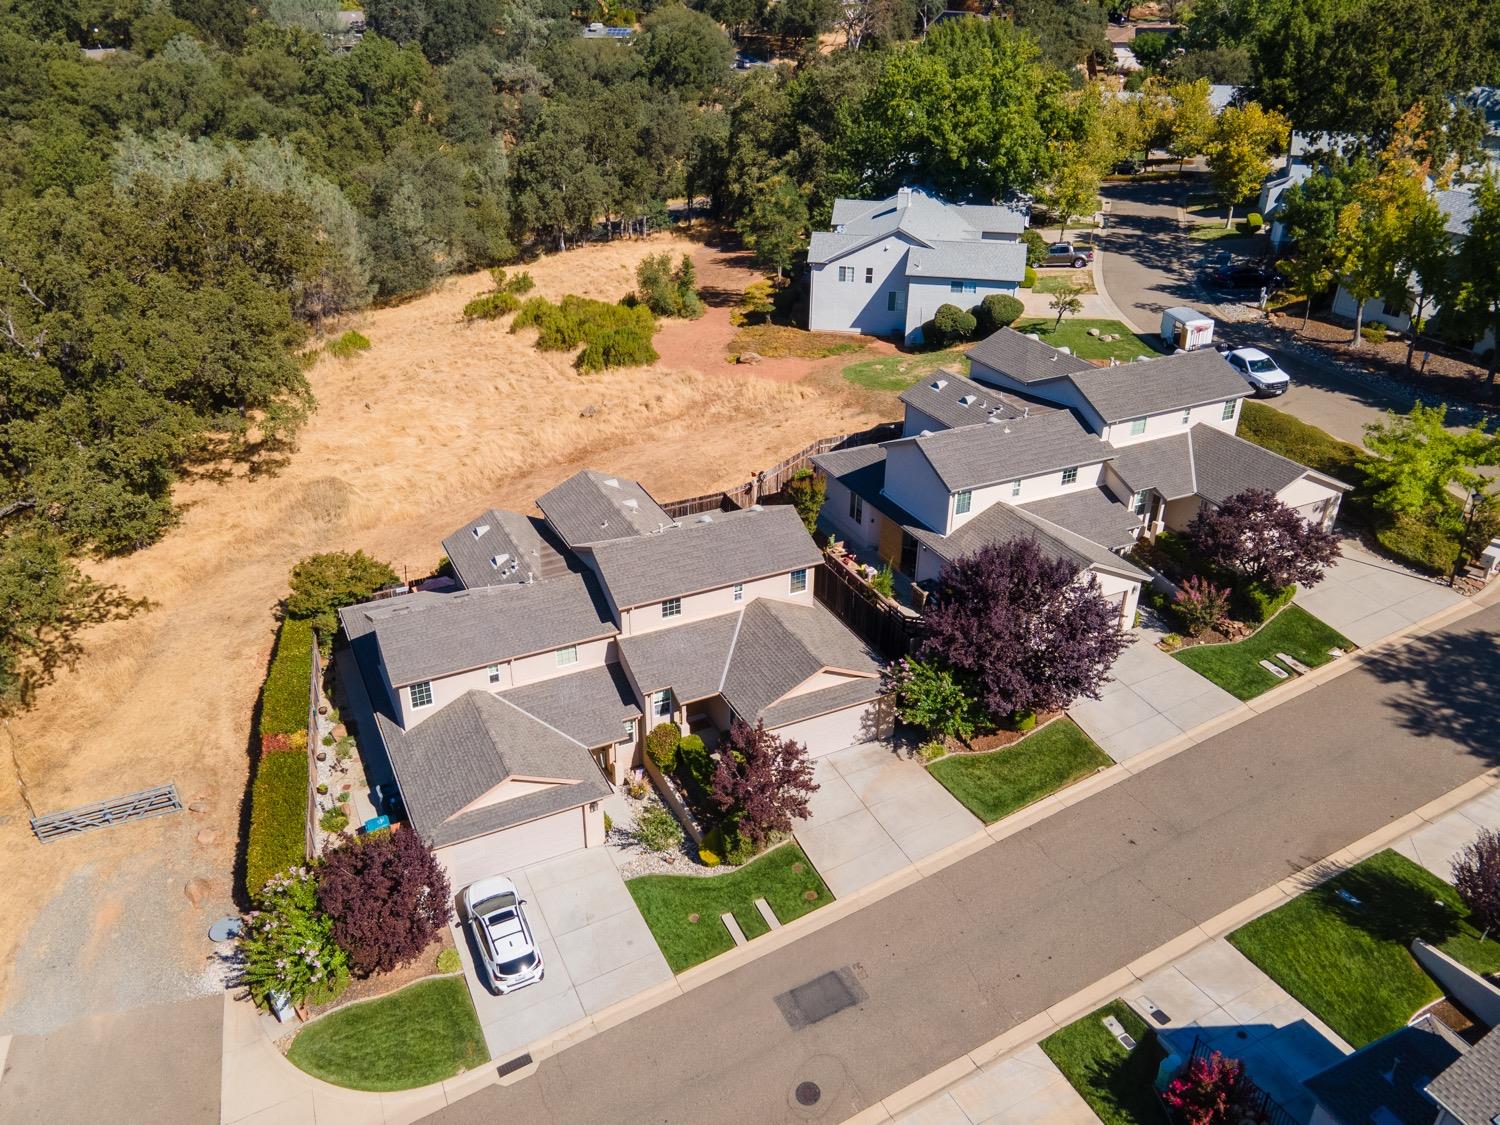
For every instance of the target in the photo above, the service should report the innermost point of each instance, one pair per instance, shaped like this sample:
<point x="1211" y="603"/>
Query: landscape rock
<point x="199" y="807"/>
<point x="208" y="836"/>
<point x="1094" y="332"/>
<point x="749" y="357"/>
<point x="588" y="411"/>
<point x="197" y="890"/>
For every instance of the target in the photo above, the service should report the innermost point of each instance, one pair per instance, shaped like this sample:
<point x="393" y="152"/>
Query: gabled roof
<point x="977" y="261"/>
<point x="1092" y="513"/>
<point x="1154" y="386"/>
<point x="705" y="553"/>
<point x="472" y="745"/>
<point x="862" y="470"/>
<point x="1002" y="523"/>
<point x="690" y="658"/>
<point x="1024" y="358"/>
<point x="1383" y="1082"/>
<point x="498" y="548"/>
<point x="447" y="633"/>
<point x="1205" y="461"/>
<point x="1470" y="1088"/>
<point x="918" y="218"/>
<point x="591" y="507"/>
<point x="1458" y="210"/>
<point x="955" y="401"/>
<point x="589" y="706"/>
<point x="1003" y="450"/>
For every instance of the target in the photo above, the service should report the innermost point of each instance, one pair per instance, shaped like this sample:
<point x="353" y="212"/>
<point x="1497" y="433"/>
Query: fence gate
<point x="85" y="818"/>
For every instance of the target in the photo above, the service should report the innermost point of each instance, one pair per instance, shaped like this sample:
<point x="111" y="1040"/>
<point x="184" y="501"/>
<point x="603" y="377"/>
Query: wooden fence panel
<point x="314" y="691"/>
<point x="133" y="806"/>
<point x="882" y="626"/>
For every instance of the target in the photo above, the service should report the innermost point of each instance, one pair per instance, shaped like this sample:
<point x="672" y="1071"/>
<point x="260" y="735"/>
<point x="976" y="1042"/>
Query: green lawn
<point x="1351" y="964"/>
<point x="414" y="1037"/>
<point x="782" y="877"/>
<point x="994" y="785"/>
<point x="1074" y="334"/>
<point x="1214" y="231"/>
<point x="895" y="373"/>
<point x="1236" y="667"/>
<point x="1118" y="1085"/>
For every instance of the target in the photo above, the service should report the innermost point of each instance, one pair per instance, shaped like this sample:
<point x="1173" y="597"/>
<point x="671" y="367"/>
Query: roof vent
<point x="705" y="519"/>
<point x="611" y="482"/>
<point x="967" y="400"/>
<point x="1064" y="349"/>
<point x="996" y="418"/>
<point x="1006" y="430"/>
<point x="755" y="508"/>
<point x="1025" y="412"/>
<point x="939" y="384"/>
<point x="497" y="561"/>
<point x="632" y="504"/>
<point x="479" y="532"/>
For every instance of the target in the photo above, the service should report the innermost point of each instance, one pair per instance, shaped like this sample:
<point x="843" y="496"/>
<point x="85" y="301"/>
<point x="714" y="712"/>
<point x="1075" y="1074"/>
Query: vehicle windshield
<point x="1261" y="366"/>
<point x="485" y="907"/>
<point x="519" y="965"/>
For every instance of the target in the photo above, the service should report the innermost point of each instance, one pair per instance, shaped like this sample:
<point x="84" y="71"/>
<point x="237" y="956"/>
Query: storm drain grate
<point x="820" y="998"/>
<point x="520" y="1062"/>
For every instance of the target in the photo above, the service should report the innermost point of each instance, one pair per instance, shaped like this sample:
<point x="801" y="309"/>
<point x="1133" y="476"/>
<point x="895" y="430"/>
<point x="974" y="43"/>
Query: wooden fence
<point x="85" y="818"/>
<point x="884" y="627"/>
<point x="314" y="697"/>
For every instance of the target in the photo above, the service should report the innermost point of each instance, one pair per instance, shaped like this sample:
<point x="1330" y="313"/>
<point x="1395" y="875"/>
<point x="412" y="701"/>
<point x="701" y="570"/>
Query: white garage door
<point x="834" y="731"/>
<point x="501" y="853"/>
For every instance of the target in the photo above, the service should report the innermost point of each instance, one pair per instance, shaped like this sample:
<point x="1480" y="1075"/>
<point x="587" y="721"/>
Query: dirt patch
<point x="437" y="420"/>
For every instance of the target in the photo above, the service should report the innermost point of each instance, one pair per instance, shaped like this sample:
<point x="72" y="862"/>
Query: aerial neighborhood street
<point x="847" y="562"/>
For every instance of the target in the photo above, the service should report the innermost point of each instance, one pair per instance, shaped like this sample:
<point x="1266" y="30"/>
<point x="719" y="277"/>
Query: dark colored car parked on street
<point x="1244" y="275"/>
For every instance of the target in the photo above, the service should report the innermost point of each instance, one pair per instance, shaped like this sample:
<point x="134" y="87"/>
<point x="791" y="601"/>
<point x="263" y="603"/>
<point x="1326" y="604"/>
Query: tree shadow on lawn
<point x="1390" y="908"/>
<point x="1127" y="1088"/>
<point x="1449" y="692"/>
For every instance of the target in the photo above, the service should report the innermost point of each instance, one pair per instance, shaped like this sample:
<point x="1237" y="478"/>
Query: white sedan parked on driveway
<point x="495" y="914"/>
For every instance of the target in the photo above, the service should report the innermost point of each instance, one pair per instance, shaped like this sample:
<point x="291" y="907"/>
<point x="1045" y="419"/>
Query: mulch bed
<point x="998" y="740"/>
<point x="425" y="965"/>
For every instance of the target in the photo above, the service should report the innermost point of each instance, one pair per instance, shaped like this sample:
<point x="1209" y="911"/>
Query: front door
<point x="908" y="565"/>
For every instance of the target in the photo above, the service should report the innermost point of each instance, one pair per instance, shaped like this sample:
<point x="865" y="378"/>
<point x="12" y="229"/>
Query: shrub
<point x="1171" y="640"/>
<point x="1373" y="333"/>
<point x="708" y="858"/>
<point x="1036" y="249"/>
<point x="288" y="945"/>
<point x="325" y="583"/>
<point x="1023" y="720"/>
<point x="1420" y="542"/>
<point x="739" y="848"/>
<point x="667" y="291"/>
<point x="657" y="829"/>
<point x="285" y="694"/>
<point x="609" y="824"/>
<point x="661" y="746"/>
<point x="621" y="334"/>
<point x="349" y="344"/>
<point x="1476" y="875"/>
<point x="1029" y="280"/>
<point x="884" y="581"/>
<point x="931" y="751"/>
<point x="756" y="303"/>
<point x="387" y="896"/>
<point x="949" y="325"/>
<point x="933" y="698"/>
<point x="807" y="490"/>
<point x="1259" y="603"/>
<point x="997" y="311"/>
<point x="333" y="820"/>
<point x="518" y="285"/>
<point x="1201" y="605"/>
<point x="1210" y="1091"/>
<point x="276" y="838"/>
<point x="626" y="346"/>
<point x="491" y="306"/>
<point x="448" y="961"/>
<point x="1254" y="221"/>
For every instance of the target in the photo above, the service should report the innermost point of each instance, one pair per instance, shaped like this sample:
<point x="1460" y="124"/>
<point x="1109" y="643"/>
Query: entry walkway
<point x="1366" y="597"/>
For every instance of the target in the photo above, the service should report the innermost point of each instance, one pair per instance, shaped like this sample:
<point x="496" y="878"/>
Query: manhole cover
<point x="808" y="1093"/>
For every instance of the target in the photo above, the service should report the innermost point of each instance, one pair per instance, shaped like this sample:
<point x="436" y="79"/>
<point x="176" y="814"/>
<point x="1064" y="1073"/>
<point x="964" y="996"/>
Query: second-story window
<point x="421" y="694"/>
<point x="1228" y="414"/>
<point x="567" y="655"/>
<point x="494" y="673"/>
<point x="739" y="591"/>
<point x="846" y="273"/>
<point x="962" y="502"/>
<point x="856" y="507"/>
<point x="869" y="275"/>
<point x="1070" y="476"/>
<point x="799" y="581"/>
<point x="1187" y="415"/>
<point x="1015" y="488"/>
<point x="672" y="607"/>
<point x="661" y="705"/>
<point x="1137" y="427"/>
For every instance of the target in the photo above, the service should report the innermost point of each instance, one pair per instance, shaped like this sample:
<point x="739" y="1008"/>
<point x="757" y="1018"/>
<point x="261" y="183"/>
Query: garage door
<point x="503" y="852"/>
<point x="833" y="731"/>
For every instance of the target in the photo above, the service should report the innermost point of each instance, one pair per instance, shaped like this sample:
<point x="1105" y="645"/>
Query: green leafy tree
<point x="1310" y="216"/>
<point x="684" y="50"/>
<point x="323" y="584"/>
<point x="1478" y="265"/>
<point x="807" y="490"/>
<point x="774" y="224"/>
<point x="1067" y="301"/>
<point x="1420" y="463"/>
<point x="1190" y="120"/>
<point x="1370" y="248"/>
<point x="934" y="698"/>
<point x="1239" y="151"/>
<point x="287" y="944"/>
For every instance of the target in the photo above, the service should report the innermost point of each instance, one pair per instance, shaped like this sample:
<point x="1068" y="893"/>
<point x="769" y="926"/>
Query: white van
<point x="1185" y="329"/>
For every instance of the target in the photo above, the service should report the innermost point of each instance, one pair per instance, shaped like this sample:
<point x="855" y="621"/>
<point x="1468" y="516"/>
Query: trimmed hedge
<point x="997" y="311"/>
<point x="278" y="804"/>
<point x="1258" y="603"/>
<point x="1420" y="543"/>
<point x="662" y="741"/>
<point x="284" y="696"/>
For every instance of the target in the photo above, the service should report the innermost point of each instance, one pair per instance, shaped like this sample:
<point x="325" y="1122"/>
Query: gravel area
<point x="632" y="859"/>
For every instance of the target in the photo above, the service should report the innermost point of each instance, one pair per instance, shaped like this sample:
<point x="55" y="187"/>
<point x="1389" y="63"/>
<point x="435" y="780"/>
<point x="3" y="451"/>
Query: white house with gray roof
<point x="508" y="707"/>
<point x="888" y="264"/>
<point x="1040" y="444"/>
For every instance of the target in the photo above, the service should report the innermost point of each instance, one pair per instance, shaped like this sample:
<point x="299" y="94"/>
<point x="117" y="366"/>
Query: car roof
<point x="1250" y="353"/>
<point x="487" y="888"/>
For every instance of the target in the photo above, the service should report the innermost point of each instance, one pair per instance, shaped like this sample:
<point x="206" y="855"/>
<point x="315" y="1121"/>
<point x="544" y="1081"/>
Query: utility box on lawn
<point x="1186" y="329"/>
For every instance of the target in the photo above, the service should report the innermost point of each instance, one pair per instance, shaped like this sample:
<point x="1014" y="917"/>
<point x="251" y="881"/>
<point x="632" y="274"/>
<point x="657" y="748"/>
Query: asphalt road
<point x="956" y="959"/>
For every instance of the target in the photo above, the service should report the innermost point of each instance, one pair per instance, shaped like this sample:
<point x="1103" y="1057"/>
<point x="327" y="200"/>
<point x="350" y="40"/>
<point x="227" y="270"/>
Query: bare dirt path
<point x="435" y="421"/>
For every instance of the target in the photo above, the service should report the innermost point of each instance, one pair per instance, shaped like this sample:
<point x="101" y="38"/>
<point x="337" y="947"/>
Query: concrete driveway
<point x="874" y="813"/>
<point x="1366" y="597"/>
<point x="1152" y="699"/>
<point x="595" y="945"/>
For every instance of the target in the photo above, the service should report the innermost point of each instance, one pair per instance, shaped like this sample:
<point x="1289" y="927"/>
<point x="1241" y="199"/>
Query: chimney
<point x="903" y="197"/>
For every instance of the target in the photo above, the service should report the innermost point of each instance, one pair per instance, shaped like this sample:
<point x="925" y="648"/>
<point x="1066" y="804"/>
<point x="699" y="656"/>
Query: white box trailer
<point x="1186" y="329"/>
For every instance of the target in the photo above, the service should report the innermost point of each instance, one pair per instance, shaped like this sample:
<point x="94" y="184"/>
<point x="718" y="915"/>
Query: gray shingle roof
<point x="1458" y="210"/>
<point x="1470" y="1088"/>
<point x="689" y="659"/>
<point x="862" y="470"/>
<point x="470" y="746"/>
<point x="1173" y="382"/>
<point x="590" y="507"/>
<point x="732" y="547"/>
<point x="1000" y="451"/>
<point x="1165" y="464"/>
<point x="980" y="261"/>
<point x="921" y="217"/>
<point x="1002" y="523"/>
<point x="955" y="401"/>
<point x="1092" y="513"/>
<point x="508" y="537"/>
<point x="447" y="633"/>
<point x="999" y="219"/>
<point x="590" y="706"/>
<point x="358" y="620"/>
<point x="1023" y="359"/>
<point x="1355" y="1089"/>
<point x="822" y="702"/>
<point x="1224" y="465"/>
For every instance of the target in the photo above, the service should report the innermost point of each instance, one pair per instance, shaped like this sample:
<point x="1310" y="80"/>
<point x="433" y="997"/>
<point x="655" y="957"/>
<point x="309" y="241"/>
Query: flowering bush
<point x="1210" y="1090"/>
<point x="288" y="945"/>
<point x="1201" y="605"/>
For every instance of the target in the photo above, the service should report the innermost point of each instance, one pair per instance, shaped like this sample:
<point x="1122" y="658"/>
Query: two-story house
<point x="1040" y="444"/>
<point x="888" y="265"/>
<point x="509" y="706"/>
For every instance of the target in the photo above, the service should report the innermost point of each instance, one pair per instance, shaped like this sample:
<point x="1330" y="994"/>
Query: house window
<point x="1137" y="427"/>
<point x="960" y="287"/>
<point x="567" y="656"/>
<point x="421" y="694"/>
<point x="739" y="591"/>
<point x="661" y="705"/>
<point x="1138" y="503"/>
<point x="895" y="301"/>
<point x="1070" y="476"/>
<point x="846" y="273"/>
<point x="856" y="507"/>
<point x="1187" y="415"/>
<point x="1228" y="414"/>
<point x="1015" y="488"/>
<point x="963" y="501"/>
<point x="672" y="607"/>
<point x="869" y="275"/>
<point x="799" y="581"/>
<point x="494" y="673"/>
<point x="627" y="731"/>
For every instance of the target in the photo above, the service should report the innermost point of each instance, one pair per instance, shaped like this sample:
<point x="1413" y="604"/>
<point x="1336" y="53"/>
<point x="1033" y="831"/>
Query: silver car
<point x="495" y="913"/>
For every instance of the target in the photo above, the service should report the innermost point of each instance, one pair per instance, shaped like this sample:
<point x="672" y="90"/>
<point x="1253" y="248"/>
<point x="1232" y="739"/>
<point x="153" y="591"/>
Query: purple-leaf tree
<point x="1028" y="631"/>
<point x="764" y="779"/>
<point x="1255" y="535"/>
<point x="388" y="897"/>
<point x="1476" y="875"/>
<point x="1210" y="1091"/>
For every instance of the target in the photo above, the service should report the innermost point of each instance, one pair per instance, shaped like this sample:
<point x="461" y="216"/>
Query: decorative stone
<point x="197" y="890"/>
<point x="1093" y="331"/>
<point x="749" y="357"/>
<point x="322" y="755"/>
<point x="198" y="807"/>
<point x="207" y="836"/>
<point x="588" y="411"/>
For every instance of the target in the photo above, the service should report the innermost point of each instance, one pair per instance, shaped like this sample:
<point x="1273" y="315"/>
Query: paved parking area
<point x="1215" y="994"/>
<point x="595" y="945"/>
<point x="1152" y="699"/>
<point x="874" y="813"/>
<point x="1437" y="845"/>
<point x="1367" y="598"/>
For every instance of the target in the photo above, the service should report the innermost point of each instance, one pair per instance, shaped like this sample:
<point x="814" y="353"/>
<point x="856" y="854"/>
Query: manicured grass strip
<point x="278" y="810"/>
<point x="994" y="785"/>
<point x="1351" y="965"/>
<point x="895" y="373"/>
<point x="666" y="901"/>
<point x="284" y="696"/>
<point x="1118" y="1085"/>
<point x="1074" y="334"/>
<point x="1236" y="667"/>
<point x="420" y="1035"/>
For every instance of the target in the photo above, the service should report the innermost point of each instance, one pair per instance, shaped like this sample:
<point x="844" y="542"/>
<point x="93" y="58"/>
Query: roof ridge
<point x="734" y="639"/>
<point x="521" y="711"/>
